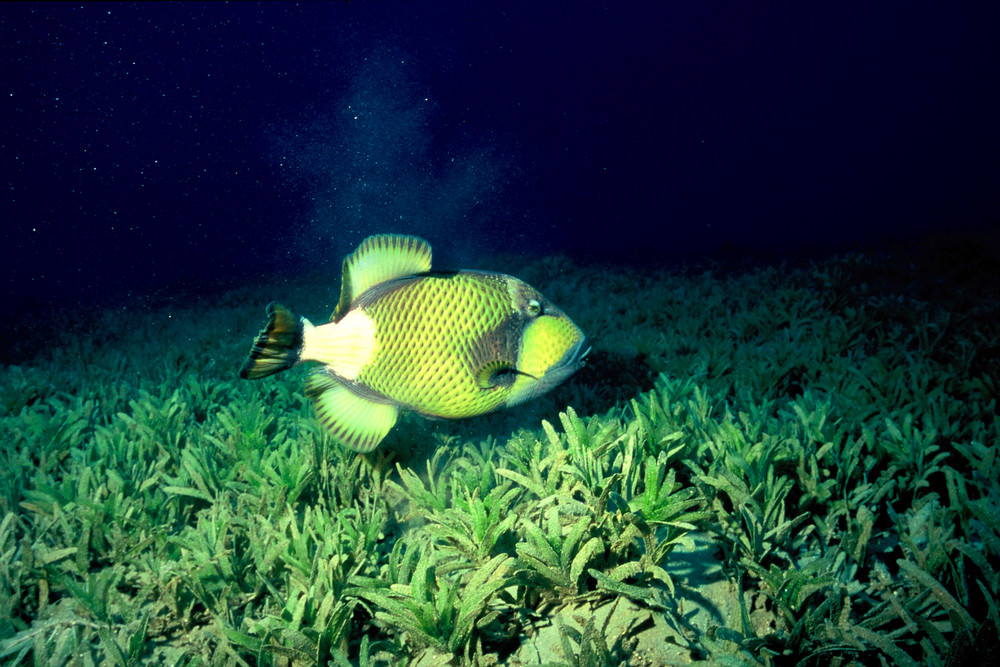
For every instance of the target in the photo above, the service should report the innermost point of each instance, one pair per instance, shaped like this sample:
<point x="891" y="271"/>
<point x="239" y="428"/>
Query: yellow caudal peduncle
<point x="345" y="346"/>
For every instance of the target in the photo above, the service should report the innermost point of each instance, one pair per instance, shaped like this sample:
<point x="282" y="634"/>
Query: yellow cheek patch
<point x="345" y="346"/>
<point x="545" y="342"/>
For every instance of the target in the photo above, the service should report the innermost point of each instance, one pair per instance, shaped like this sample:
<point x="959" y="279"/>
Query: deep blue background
<point x="154" y="144"/>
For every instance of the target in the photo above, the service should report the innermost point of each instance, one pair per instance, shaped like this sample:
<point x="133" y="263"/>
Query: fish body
<point x="447" y="344"/>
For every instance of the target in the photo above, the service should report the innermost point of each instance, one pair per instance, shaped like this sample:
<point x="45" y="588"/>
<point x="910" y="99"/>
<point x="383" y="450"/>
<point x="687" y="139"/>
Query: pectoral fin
<point x="498" y="373"/>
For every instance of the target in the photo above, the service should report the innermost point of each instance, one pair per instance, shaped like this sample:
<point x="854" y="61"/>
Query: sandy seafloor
<point x="762" y="463"/>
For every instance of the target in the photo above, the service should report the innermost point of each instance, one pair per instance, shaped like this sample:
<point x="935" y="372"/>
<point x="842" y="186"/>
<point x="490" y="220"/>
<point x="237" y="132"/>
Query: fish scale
<point x="423" y="355"/>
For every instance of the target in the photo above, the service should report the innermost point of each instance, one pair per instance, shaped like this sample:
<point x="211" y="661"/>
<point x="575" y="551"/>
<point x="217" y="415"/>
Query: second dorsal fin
<point x="379" y="259"/>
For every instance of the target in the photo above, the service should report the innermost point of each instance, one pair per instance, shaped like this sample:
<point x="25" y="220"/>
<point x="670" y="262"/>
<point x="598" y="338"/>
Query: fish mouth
<point x="576" y="357"/>
<point x="571" y="362"/>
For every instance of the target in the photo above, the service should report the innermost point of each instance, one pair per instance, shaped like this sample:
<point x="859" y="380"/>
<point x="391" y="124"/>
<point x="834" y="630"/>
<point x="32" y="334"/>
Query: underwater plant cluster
<point x="760" y="465"/>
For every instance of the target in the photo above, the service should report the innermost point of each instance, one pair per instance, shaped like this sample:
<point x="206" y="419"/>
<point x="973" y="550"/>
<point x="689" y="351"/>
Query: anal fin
<point x="355" y="421"/>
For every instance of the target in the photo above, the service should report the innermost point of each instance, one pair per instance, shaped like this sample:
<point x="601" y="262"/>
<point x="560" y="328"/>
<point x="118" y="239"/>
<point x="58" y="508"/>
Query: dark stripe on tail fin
<point x="277" y="346"/>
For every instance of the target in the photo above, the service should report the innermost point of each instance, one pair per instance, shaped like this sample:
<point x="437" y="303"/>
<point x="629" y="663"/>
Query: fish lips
<point x="571" y="362"/>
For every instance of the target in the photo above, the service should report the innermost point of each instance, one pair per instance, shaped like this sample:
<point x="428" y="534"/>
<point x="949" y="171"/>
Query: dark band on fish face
<point x="495" y="353"/>
<point x="493" y="356"/>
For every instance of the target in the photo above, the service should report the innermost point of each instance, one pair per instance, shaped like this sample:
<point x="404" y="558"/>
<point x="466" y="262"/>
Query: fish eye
<point x="534" y="308"/>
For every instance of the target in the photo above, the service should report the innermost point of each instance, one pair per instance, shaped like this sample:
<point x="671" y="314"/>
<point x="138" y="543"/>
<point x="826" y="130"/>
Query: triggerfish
<point x="443" y="344"/>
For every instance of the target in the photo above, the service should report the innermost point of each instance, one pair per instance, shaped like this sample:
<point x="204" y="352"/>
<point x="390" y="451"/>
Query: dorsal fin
<point x="379" y="259"/>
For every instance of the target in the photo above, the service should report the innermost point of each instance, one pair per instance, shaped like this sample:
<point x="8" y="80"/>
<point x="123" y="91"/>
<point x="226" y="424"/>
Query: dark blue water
<point x="150" y="146"/>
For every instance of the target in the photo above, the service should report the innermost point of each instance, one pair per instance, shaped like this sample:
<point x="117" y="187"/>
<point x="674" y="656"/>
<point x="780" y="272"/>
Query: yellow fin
<point x="354" y="421"/>
<point x="378" y="259"/>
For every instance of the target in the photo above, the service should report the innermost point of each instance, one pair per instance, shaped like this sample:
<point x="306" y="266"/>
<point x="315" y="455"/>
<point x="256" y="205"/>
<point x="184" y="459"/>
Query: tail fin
<point x="278" y="345"/>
